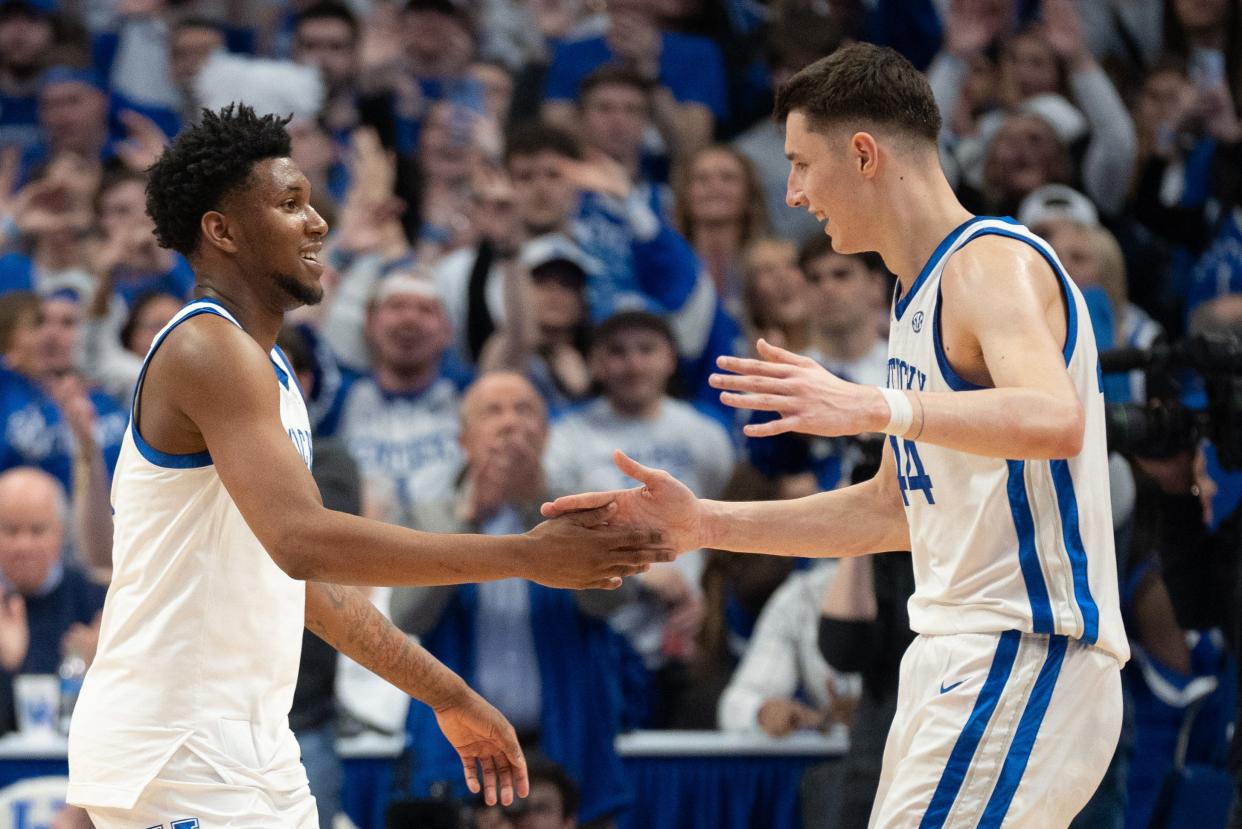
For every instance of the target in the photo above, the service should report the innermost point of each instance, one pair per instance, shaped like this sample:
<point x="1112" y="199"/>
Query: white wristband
<point x="900" y="412"/>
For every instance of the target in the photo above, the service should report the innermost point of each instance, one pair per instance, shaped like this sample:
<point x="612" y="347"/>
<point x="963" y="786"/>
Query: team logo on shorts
<point x="917" y="322"/>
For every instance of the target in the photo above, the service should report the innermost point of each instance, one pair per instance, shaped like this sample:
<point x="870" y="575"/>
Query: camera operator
<point x="1179" y="566"/>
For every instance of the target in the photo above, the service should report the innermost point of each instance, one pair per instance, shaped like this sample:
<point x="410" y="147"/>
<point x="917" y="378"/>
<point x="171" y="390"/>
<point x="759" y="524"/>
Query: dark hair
<point x="542" y="770"/>
<point x="798" y="35"/>
<point x="612" y="74"/>
<point x="135" y="312"/>
<point x="14" y="306"/>
<point x="535" y="137"/>
<point x="328" y="10"/>
<point x="821" y="245"/>
<point x="626" y="321"/>
<point x="861" y="84"/>
<point x="207" y="163"/>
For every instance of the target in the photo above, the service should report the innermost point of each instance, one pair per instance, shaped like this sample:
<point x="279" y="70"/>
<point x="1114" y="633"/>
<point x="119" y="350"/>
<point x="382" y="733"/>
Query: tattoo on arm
<point x="347" y="621"/>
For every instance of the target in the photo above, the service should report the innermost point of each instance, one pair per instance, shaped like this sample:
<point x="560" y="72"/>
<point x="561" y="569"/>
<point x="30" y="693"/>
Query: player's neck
<point x="922" y="212"/>
<point x="257" y="317"/>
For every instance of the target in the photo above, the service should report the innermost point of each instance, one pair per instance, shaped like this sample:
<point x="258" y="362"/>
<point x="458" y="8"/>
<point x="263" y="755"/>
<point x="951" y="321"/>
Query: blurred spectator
<point x="38" y="429"/>
<point x="783" y="683"/>
<point x="190" y="43"/>
<point x="1035" y="139"/>
<point x="777" y="295"/>
<point x="547" y="327"/>
<point x="50" y="607"/>
<point x="399" y="421"/>
<point x="113" y="359"/>
<point x="719" y="208"/>
<point x="687" y="73"/>
<point x="796" y="38"/>
<point x="552" y="804"/>
<point x="541" y="656"/>
<point x="614" y="110"/>
<point x="1207" y="34"/>
<point x="633" y="357"/>
<point x="52" y="216"/>
<point x="129" y="261"/>
<point x="843" y="293"/>
<point x="27" y="33"/>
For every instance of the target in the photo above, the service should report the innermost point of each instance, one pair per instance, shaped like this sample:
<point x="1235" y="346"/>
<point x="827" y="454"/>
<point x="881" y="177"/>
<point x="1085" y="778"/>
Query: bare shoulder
<point x="208" y="360"/>
<point x="996" y="272"/>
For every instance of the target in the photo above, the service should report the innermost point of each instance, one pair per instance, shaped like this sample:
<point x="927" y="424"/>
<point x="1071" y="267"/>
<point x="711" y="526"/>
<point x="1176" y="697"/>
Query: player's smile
<point x="310" y="256"/>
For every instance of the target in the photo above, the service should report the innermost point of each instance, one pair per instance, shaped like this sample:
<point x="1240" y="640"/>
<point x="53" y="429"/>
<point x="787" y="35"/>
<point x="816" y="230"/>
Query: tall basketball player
<point x="224" y="550"/>
<point x="995" y="472"/>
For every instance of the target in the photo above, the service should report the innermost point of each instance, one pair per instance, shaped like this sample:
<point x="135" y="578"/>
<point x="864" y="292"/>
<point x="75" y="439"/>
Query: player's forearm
<point x="336" y="547"/>
<point x="346" y="620"/>
<point x="1018" y="423"/>
<point x="852" y="521"/>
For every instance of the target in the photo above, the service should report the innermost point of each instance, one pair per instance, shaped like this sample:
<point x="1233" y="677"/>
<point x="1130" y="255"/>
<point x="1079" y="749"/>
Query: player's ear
<point x="217" y="232"/>
<point x="865" y="153"/>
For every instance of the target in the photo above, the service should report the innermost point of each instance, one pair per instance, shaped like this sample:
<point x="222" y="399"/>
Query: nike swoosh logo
<point x="944" y="689"/>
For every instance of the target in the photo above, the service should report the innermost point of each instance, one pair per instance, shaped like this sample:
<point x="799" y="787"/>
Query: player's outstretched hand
<point x="809" y="398"/>
<point x="490" y="755"/>
<point x="593" y="548"/>
<point x="662" y="503"/>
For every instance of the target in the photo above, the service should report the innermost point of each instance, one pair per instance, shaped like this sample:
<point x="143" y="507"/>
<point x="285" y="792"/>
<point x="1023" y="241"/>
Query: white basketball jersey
<point x="201" y="631"/>
<point x="1005" y="544"/>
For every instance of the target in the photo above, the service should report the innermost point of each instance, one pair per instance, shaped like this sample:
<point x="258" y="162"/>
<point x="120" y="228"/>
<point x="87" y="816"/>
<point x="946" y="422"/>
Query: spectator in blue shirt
<point x="26" y="34"/>
<point x="686" y="71"/>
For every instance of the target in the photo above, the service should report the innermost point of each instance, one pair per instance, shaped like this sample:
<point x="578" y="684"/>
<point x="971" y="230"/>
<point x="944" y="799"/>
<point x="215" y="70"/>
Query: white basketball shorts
<point x="998" y="730"/>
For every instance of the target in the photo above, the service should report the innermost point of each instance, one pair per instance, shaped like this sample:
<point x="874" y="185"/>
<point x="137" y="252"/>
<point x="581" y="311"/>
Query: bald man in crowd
<point x="50" y="607"/>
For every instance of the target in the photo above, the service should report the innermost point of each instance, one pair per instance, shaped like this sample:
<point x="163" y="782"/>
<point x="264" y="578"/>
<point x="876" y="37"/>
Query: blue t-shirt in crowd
<point x="19" y="121"/>
<point x="33" y="432"/>
<point x="690" y="66"/>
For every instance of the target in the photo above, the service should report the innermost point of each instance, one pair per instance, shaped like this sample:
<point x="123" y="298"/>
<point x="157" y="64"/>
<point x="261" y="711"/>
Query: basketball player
<point x="994" y="474"/>
<point x="224" y="550"/>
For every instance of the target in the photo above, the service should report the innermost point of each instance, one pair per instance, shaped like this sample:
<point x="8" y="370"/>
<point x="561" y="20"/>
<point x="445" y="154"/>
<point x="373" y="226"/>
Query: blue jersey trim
<point x="959" y="383"/>
<point x="288" y="371"/>
<point x="1024" y="738"/>
<point x="968" y="741"/>
<point x="955" y="380"/>
<point x="168" y="460"/>
<point x="1028" y="553"/>
<point x="1067" y="505"/>
<point x="900" y="303"/>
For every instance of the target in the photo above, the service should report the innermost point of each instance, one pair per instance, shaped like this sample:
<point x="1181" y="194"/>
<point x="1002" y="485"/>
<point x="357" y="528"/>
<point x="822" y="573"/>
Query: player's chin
<point x="304" y="290"/>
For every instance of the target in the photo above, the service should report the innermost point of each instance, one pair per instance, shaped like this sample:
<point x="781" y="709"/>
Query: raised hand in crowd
<point x="144" y="141"/>
<point x="554" y="17"/>
<point x="50" y="204"/>
<point x="634" y="37"/>
<point x="14" y="632"/>
<point x="597" y="173"/>
<point x="1063" y="30"/>
<point x="972" y="25"/>
<point x="370" y="219"/>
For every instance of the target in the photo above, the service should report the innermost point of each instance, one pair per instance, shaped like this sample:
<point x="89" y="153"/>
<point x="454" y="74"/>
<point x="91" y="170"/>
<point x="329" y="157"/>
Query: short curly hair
<point x="204" y="165"/>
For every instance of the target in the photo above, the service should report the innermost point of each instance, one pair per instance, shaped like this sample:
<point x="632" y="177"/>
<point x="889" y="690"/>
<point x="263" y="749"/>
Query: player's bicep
<point x="1018" y="319"/>
<point x="233" y="400"/>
